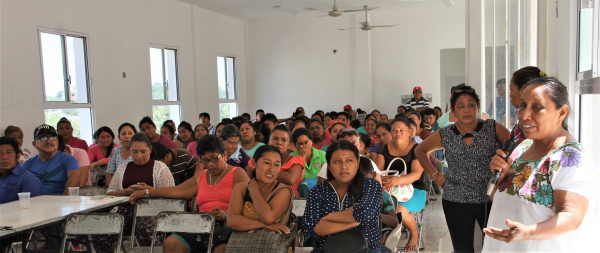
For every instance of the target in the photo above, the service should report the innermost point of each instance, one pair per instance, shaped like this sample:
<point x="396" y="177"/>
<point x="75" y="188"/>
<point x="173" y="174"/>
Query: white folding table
<point x="47" y="209"/>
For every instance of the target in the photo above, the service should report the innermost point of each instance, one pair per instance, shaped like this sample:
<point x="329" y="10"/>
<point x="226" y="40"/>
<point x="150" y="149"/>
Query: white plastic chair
<point x="184" y="222"/>
<point x="151" y="208"/>
<point x="394" y="236"/>
<point x="93" y="224"/>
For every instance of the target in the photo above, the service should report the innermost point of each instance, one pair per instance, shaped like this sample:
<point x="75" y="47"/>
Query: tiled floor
<point x="435" y="233"/>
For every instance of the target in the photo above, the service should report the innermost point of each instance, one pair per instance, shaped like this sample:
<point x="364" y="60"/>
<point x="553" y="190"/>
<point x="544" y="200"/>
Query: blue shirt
<point x="18" y="180"/>
<point x="323" y="199"/>
<point x="53" y="172"/>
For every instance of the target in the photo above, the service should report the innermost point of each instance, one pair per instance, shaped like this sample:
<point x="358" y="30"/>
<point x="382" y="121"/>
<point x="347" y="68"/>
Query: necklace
<point x="210" y="176"/>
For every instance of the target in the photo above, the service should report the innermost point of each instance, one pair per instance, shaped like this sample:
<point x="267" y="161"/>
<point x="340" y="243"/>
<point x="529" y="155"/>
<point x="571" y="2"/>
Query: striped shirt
<point x="182" y="163"/>
<point x="422" y="103"/>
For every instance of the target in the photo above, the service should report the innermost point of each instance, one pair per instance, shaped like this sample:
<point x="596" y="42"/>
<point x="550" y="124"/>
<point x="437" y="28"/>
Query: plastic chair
<point x="184" y="222"/>
<point x="98" y="172"/>
<point x="394" y="236"/>
<point x="92" y="191"/>
<point x="151" y="208"/>
<point x="298" y="210"/>
<point x="93" y="224"/>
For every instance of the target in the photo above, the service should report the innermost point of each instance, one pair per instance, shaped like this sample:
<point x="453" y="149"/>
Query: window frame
<point x="235" y="84"/>
<point x="165" y="102"/>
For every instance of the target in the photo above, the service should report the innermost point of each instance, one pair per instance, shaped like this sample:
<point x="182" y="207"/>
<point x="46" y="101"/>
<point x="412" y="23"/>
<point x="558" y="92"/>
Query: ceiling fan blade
<point x="349" y="29"/>
<point x="383" y="25"/>
<point x="368" y="9"/>
<point x="313" y="9"/>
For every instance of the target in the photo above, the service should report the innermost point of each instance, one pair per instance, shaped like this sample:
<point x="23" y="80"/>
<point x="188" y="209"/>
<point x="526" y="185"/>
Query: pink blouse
<point x="95" y="155"/>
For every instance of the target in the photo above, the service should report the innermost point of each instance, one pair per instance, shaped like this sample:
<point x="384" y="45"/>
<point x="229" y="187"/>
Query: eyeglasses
<point x="468" y="90"/>
<point x="212" y="159"/>
<point x="46" y="138"/>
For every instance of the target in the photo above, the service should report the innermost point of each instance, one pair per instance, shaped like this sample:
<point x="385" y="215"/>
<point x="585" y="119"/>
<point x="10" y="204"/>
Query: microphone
<point x="508" y="148"/>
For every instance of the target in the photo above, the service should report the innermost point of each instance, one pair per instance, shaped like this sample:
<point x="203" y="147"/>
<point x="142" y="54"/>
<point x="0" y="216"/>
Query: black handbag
<point x="349" y="241"/>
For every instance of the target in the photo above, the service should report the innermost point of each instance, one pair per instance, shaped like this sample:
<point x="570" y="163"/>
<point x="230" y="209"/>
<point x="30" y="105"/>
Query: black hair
<point x="238" y="119"/>
<point x="384" y="115"/>
<point x="333" y="114"/>
<point x="347" y="132"/>
<point x="261" y="151"/>
<point x="342" y="113"/>
<point x="296" y="122"/>
<point x="140" y="137"/>
<point x="428" y="111"/>
<point x="129" y="125"/>
<point x="146" y="120"/>
<point x="411" y="112"/>
<point x="376" y="111"/>
<point x="437" y="107"/>
<point x="63" y="120"/>
<point x="238" y="124"/>
<point x="12" y="142"/>
<point x="365" y="138"/>
<point x="159" y="151"/>
<point x="400" y="115"/>
<point x="299" y="132"/>
<point x="316" y="120"/>
<point x="61" y="145"/>
<point x="374" y="120"/>
<point x="385" y="126"/>
<point x="218" y="125"/>
<point x="227" y="121"/>
<point x="402" y="106"/>
<point x="370" y="115"/>
<point x="327" y="115"/>
<point x="249" y="123"/>
<point x="356" y="186"/>
<point x="258" y="111"/>
<point x="169" y="128"/>
<point x="168" y="121"/>
<point x="204" y="114"/>
<point x="405" y="121"/>
<point x="299" y="108"/>
<point x="460" y="90"/>
<point x="229" y="131"/>
<point x="246" y="115"/>
<point x="334" y="124"/>
<point x="320" y="111"/>
<point x="209" y="143"/>
<point x="317" y="114"/>
<point x="196" y="127"/>
<point x="525" y="75"/>
<point x="264" y="130"/>
<point x="557" y="92"/>
<point x="355" y="124"/>
<point x="281" y="128"/>
<point x="186" y="126"/>
<point x="411" y="122"/>
<point x="269" y="117"/>
<point x="109" y="131"/>
<point x="366" y="166"/>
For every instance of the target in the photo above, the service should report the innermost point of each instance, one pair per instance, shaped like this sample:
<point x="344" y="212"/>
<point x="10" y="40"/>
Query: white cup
<point x="24" y="198"/>
<point x="74" y="192"/>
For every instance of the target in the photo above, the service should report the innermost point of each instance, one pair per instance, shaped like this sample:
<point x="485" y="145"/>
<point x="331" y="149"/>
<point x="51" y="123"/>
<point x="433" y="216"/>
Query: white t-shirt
<point x="526" y="196"/>
<point x="323" y="171"/>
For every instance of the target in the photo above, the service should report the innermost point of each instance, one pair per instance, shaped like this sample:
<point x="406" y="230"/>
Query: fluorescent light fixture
<point x="284" y="9"/>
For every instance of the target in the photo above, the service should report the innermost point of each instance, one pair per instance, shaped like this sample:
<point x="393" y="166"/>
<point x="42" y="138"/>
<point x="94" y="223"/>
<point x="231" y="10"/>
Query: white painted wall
<point x="119" y="34"/>
<point x="291" y="61"/>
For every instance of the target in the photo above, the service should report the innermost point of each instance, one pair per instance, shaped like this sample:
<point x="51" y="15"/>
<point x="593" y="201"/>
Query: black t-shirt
<point x="399" y="166"/>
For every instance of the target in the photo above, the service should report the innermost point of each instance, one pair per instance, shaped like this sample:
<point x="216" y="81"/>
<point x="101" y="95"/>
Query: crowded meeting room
<point x="371" y="126"/>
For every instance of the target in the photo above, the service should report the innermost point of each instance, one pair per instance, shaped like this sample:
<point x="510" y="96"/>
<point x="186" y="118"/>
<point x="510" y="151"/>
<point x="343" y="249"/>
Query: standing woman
<point x="403" y="147"/>
<point x="470" y="145"/>
<point x="384" y="135"/>
<point x="317" y="129"/>
<point x="99" y="155"/>
<point x="517" y="84"/>
<point x="120" y="154"/>
<point x="142" y="170"/>
<point x="345" y="200"/>
<point x="547" y="197"/>
<point x="186" y="134"/>
<point x="249" y="143"/>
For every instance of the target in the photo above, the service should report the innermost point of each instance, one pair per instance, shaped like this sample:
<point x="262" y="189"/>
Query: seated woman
<point x="370" y="129"/>
<point x="230" y="135"/>
<point x="212" y="189"/>
<point x="403" y="147"/>
<point x="120" y="154"/>
<point x="360" y="202"/>
<point x="314" y="159"/>
<point x="333" y="131"/>
<point x="169" y="131"/>
<point x="250" y="207"/>
<point x="384" y="134"/>
<point x="186" y="135"/>
<point x="16" y="133"/>
<point x="249" y="143"/>
<point x="99" y="154"/>
<point x="199" y="131"/>
<point x="423" y="130"/>
<point x="219" y="127"/>
<point x="171" y="123"/>
<point x="292" y="170"/>
<point x="317" y="129"/>
<point x="263" y="132"/>
<point x="142" y="171"/>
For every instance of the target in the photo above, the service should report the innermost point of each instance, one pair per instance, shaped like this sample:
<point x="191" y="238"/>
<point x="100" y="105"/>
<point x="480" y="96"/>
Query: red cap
<point x="417" y="88"/>
<point x="347" y="107"/>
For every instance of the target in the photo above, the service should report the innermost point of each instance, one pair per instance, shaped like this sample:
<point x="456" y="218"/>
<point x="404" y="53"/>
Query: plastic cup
<point x="74" y="192"/>
<point x="24" y="198"/>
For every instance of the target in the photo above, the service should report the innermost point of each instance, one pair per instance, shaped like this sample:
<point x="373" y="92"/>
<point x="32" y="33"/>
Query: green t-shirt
<point x="361" y="130"/>
<point x="250" y="152"/>
<point x="316" y="162"/>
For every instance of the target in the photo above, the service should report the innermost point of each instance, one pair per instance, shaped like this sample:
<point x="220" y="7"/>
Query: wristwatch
<point x="147" y="193"/>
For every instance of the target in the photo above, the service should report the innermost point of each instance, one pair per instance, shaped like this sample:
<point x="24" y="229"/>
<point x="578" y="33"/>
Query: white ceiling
<point x="263" y="9"/>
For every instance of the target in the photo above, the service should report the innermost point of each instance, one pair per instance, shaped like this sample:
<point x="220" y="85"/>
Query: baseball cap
<point x="347" y="107"/>
<point x="42" y="130"/>
<point x="417" y="88"/>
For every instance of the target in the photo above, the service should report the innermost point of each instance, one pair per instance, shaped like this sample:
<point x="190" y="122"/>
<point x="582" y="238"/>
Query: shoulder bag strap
<point x="289" y="210"/>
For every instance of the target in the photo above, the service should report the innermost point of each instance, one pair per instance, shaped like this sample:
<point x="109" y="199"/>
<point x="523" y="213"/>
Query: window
<point x="165" y="85"/>
<point x="227" y="87"/>
<point x="65" y="77"/>
<point x="510" y="44"/>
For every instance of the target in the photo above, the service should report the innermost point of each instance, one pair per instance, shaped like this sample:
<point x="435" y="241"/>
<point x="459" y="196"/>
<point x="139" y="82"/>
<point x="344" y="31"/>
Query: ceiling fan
<point x="336" y="12"/>
<point x="365" y="25"/>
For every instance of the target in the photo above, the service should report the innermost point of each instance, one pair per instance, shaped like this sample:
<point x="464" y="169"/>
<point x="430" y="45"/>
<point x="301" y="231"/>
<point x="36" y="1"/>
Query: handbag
<point x="264" y="240"/>
<point x="348" y="241"/>
<point x="402" y="192"/>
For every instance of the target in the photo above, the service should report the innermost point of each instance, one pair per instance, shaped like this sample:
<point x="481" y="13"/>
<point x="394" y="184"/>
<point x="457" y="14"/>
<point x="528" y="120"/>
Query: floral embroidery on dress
<point x="531" y="180"/>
